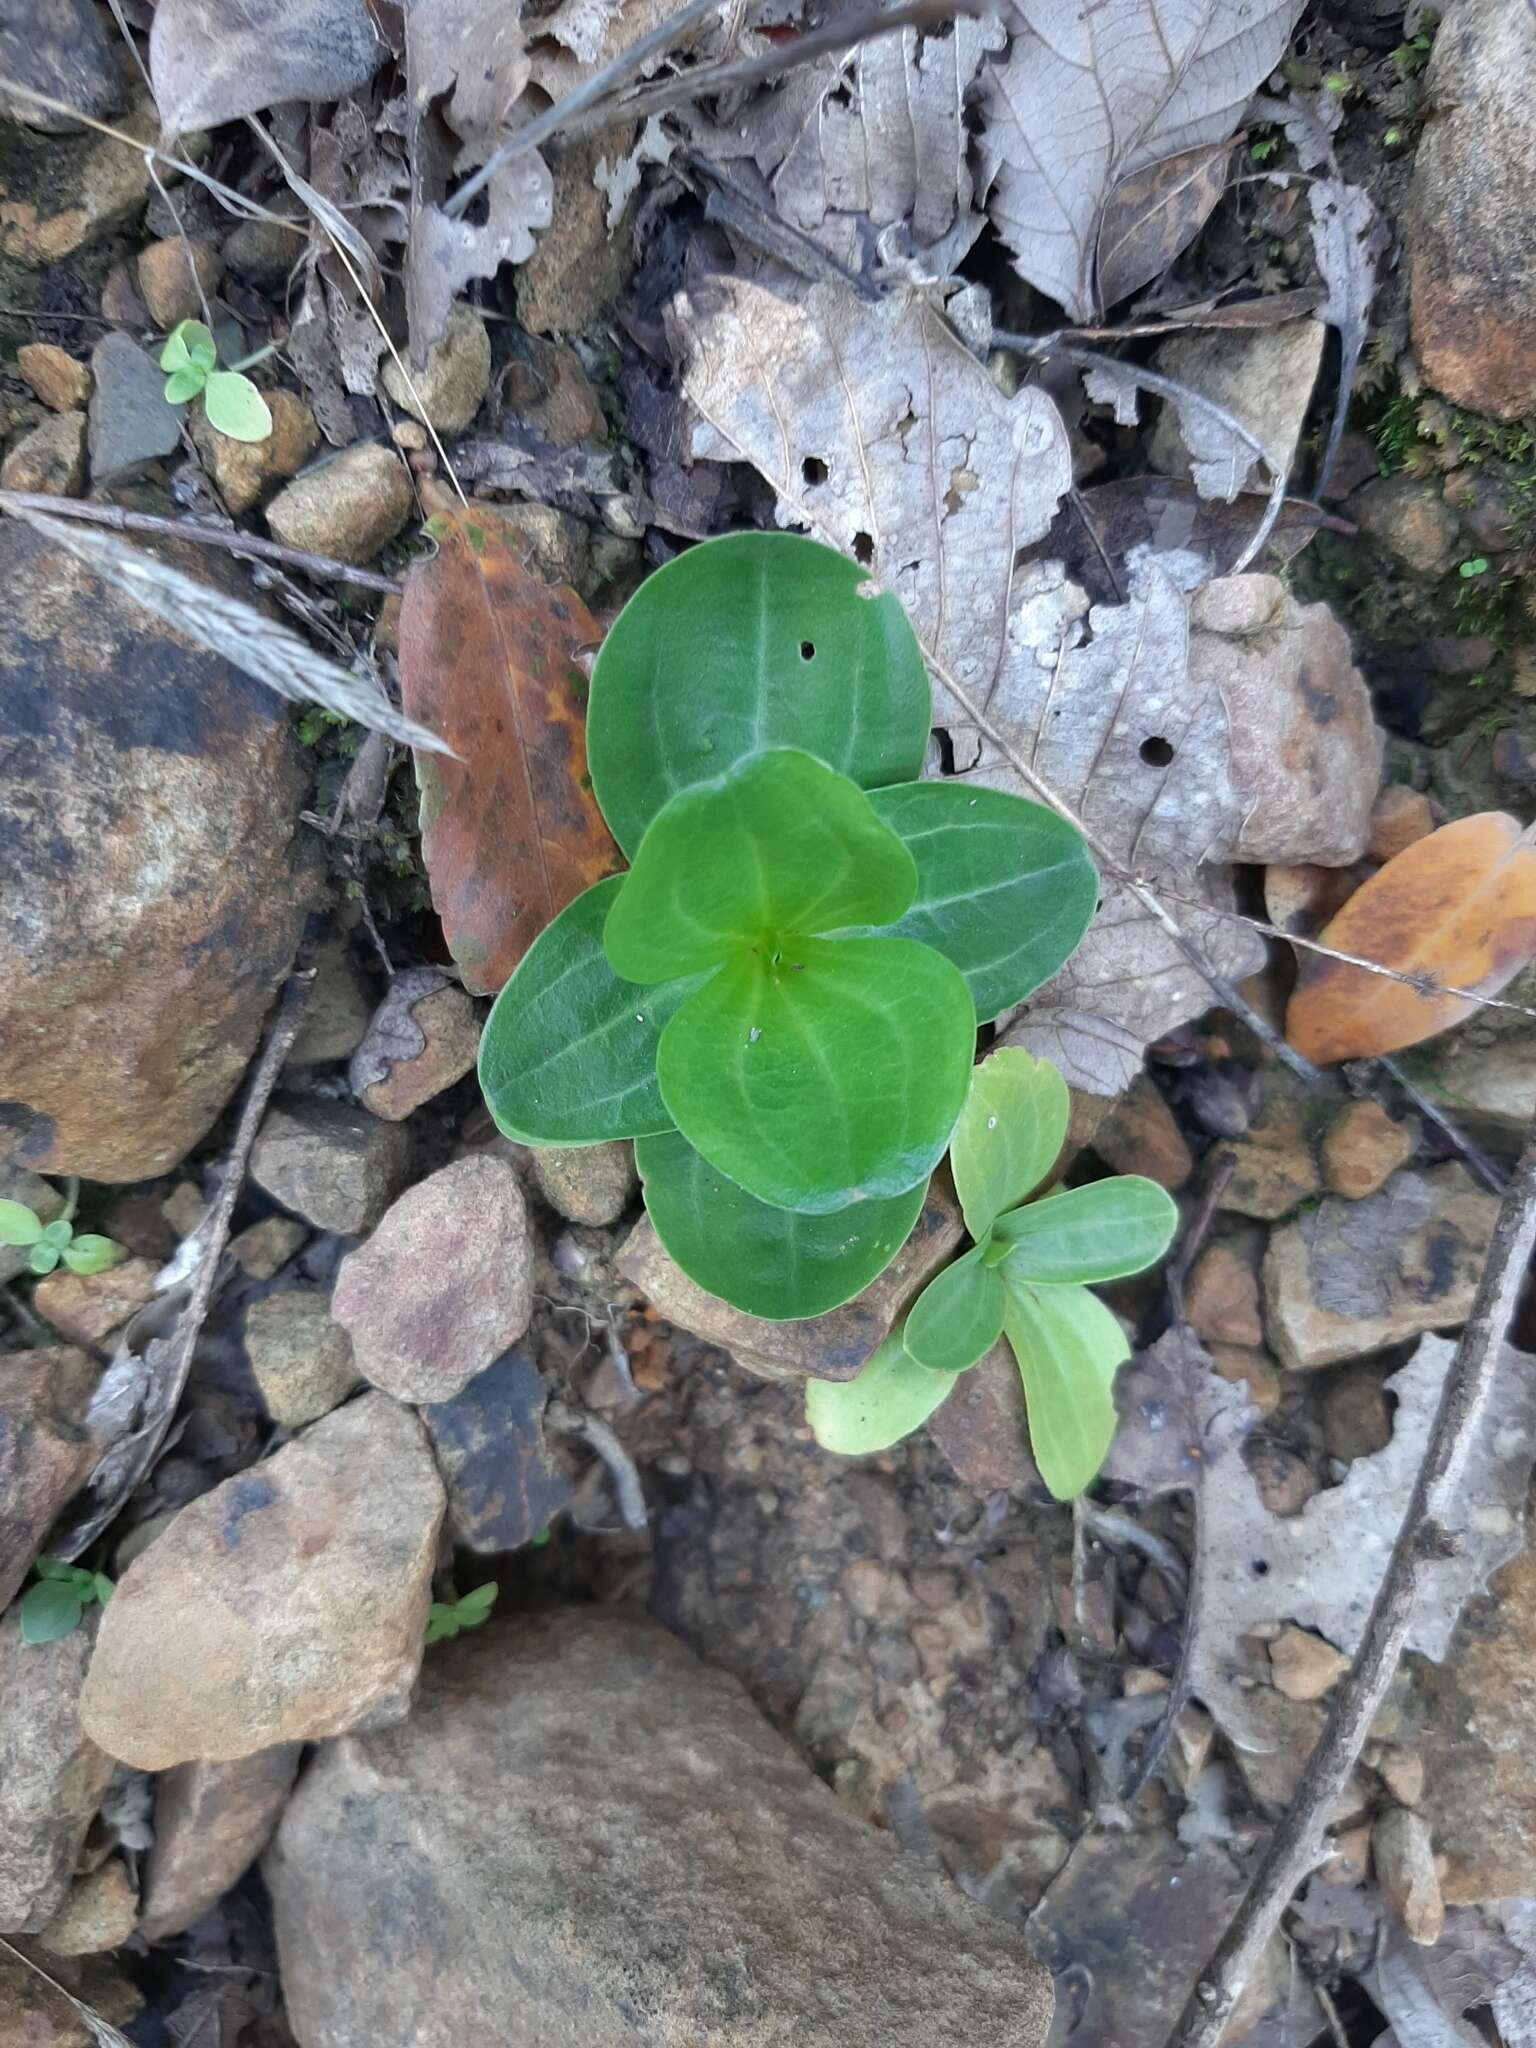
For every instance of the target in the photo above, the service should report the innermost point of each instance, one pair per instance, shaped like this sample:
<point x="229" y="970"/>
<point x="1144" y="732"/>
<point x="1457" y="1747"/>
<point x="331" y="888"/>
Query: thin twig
<point x="1489" y="1174"/>
<point x="99" y="2029"/>
<point x="113" y="516"/>
<point x="1040" y="347"/>
<point x="140" y="1449"/>
<point x="1423" y="983"/>
<point x="1199" y="1229"/>
<point x="561" y="1416"/>
<point x="1422" y="1542"/>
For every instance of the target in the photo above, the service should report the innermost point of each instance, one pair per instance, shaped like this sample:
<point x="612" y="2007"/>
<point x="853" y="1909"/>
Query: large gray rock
<point x="52" y="1775"/>
<point x="131" y="423"/>
<point x="156" y="872"/>
<point x="288" y="1604"/>
<point x="584" y="1838"/>
<point x="1471" y="232"/>
<point x="503" y="1485"/>
<point x="1263" y="377"/>
<point x="63" y="48"/>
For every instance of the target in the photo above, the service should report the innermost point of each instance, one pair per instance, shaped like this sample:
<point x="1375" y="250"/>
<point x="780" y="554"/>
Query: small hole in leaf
<point x="1260" y="1568"/>
<point x="807" y="650"/>
<point x="814" y="470"/>
<point x="1156" y="752"/>
<point x="864" y="548"/>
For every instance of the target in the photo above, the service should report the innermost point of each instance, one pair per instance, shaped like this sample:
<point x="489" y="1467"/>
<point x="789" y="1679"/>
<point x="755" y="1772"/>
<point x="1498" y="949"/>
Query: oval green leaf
<point x="770" y="1262"/>
<point x="1084" y="1235"/>
<point x="189" y="346"/>
<point x="1069" y="1348"/>
<point x="1008" y="1136"/>
<point x="782" y="843"/>
<point x="236" y="407"/>
<point x="1005" y="888"/>
<point x="755" y="640"/>
<point x="830" y="1075"/>
<point x="49" y="1610"/>
<point x="891" y="1397"/>
<point x="568" y="1056"/>
<point x="958" y="1317"/>
<point x="93" y="1254"/>
<point x="42" y="1259"/>
<point x="182" y="385"/>
<point x="18" y="1225"/>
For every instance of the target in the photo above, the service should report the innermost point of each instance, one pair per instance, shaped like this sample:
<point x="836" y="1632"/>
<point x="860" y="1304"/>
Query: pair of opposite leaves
<point x="779" y="1000"/>
<point x="1025" y="1277"/>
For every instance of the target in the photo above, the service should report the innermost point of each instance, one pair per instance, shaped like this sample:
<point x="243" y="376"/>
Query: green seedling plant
<point x="449" y="1618"/>
<point x="231" y="401"/>
<point x="778" y="1000"/>
<point x="53" y="1244"/>
<point x="56" y="1604"/>
<point x="1026" y="1278"/>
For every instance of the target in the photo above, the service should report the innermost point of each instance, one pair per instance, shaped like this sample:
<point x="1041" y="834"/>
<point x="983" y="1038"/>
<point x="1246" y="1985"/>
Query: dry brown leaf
<point x="882" y="433"/>
<point x="510" y="833"/>
<point x="1458" y="906"/>
<point x="881" y="134"/>
<point x="214" y="60"/>
<point x="1152" y="216"/>
<point x="1089" y="96"/>
<point x="466" y="67"/>
<point x="1320" y="1569"/>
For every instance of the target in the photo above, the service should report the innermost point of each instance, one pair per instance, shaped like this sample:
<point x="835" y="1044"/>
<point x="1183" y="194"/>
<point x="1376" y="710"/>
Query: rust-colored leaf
<point x="1459" y="905"/>
<point x="510" y="832"/>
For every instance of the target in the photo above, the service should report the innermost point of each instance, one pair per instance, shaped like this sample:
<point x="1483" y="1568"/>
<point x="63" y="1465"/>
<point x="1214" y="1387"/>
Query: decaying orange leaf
<point x="1459" y="906"/>
<point x="510" y="832"/>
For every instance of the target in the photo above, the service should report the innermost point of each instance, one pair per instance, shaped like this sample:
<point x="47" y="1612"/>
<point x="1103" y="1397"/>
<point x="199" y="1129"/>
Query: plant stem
<point x="1422" y="1542"/>
<point x="238" y="543"/>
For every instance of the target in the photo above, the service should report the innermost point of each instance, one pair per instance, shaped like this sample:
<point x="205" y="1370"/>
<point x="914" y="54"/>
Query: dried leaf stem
<point x="1421" y="1542"/>
<point x="1040" y="346"/>
<point x="138" y="1451"/>
<point x="237" y="543"/>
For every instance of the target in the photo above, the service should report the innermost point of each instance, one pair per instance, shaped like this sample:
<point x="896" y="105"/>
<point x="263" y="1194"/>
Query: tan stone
<point x="1141" y="1135"/>
<point x="93" y="183"/>
<point x="97" y="1915"/>
<point x="1303" y="1666"/>
<point x="288" y="1604"/>
<point x="346" y="508"/>
<point x="59" y="381"/>
<point x="52" y="1775"/>
<point x="1251" y="1368"/>
<point x="87" y="1308"/>
<point x="449" y="389"/>
<point x="581" y="264"/>
<point x="184" y="1207"/>
<point x="36" y="1989"/>
<point x="1363" y="1149"/>
<point x="1410" y="520"/>
<point x="302" y="1359"/>
<point x="447" y="1025"/>
<point x="169" y="280"/>
<point x="263" y="1249"/>
<point x="45" y="1453"/>
<point x="1273" y="1171"/>
<point x="211" y="1823"/>
<point x="981" y="1428"/>
<point x="1399" y="816"/>
<point x="592" y="1184"/>
<point x="1357" y="1421"/>
<point x="242" y="470"/>
<point x="1350" y="1278"/>
<point x="1403" y="1853"/>
<point x="1221" y="1298"/>
<point x="51" y="459"/>
<point x="1402" y="1772"/>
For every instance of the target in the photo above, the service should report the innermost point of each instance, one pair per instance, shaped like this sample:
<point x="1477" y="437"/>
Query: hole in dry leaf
<point x="814" y="470"/>
<point x="1259" y="1567"/>
<point x="807" y="650"/>
<point x="1156" y="752"/>
<point x="946" y="747"/>
<point x="863" y="548"/>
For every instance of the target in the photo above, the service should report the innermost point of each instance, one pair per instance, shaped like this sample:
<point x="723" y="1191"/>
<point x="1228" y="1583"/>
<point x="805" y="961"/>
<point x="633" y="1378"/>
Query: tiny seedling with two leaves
<point x="449" y="1618"/>
<point x="53" y="1244"/>
<point x="57" y="1603"/>
<point x="1026" y="1277"/>
<point x="190" y="360"/>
